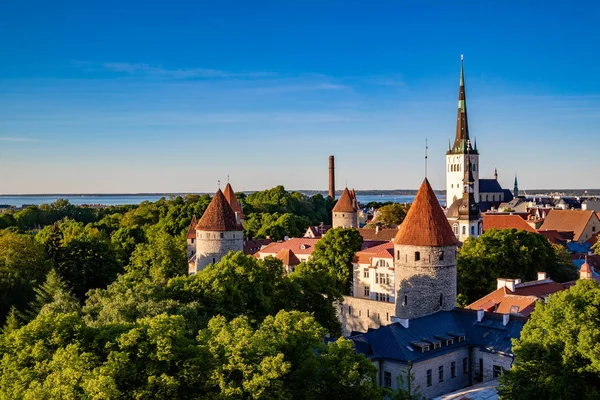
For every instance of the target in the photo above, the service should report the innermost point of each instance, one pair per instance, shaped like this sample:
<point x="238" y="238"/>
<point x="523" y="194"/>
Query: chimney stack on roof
<point x="332" y="177"/>
<point x="510" y="284"/>
<point x="480" y="314"/>
<point x="505" y="319"/>
<point x="542" y="276"/>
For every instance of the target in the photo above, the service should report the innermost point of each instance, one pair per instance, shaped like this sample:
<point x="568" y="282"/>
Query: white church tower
<point x="456" y="157"/>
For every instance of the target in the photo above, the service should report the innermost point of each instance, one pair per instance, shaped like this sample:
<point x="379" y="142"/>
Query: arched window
<point x="417" y="256"/>
<point x="455" y="229"/>
<point x="441" y="256"/>
<point x="382" y="263"/>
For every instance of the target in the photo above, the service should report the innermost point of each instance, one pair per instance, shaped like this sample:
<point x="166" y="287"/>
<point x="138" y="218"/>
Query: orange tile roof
<point x="524" y="297"/>
<point x="287" y="257"/>
<point x="345" y="203"/>
<point x="594" y="239"/>
<point x="232" y="200"/>
<point x="386" y="234"/>
<point x="505" y="221"/>
<point x="191" y="233"/>
<point x="218" y="216"/>
<point x="300" y="246"/>
<point x="353" y="193"/>
<point x="425" y="224"/>
<point x="568" y="220"/>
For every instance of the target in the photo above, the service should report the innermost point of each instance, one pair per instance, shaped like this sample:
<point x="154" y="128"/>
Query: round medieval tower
<point x="424" y="259"/>
<point x="217" y="233"/>
<point x="345" y="211"/>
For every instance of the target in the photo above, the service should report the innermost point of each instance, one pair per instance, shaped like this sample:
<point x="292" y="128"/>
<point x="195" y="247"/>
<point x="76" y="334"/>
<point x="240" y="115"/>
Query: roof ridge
<point x="218" y="216"/>
<point x="345" y="203"/>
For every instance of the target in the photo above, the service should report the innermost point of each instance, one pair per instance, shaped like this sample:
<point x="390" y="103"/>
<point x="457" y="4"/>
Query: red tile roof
<point x="191" y="233"/>
<point x="252" y="246"/>
<point x="568" y="220"/>
<point x="505" y="221"/>
<point x="353" y="193"/>
<point x="557" y="237"/>
<point x="385" y="250"/>
<point x="524" y="297"/>
<point x="299" y="246"/>
<point x="384" y="234"/>
<point x="287" y="257"/>
<point x="594" y="239"/>
<point x="425" y="224"/>
<point x="232" y="200"/>
<point x="218" y="216"/>
<point x="345" y="203"/>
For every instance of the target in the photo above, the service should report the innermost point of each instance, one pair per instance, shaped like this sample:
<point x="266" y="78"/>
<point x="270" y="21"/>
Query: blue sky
<point x="143" y="96"/>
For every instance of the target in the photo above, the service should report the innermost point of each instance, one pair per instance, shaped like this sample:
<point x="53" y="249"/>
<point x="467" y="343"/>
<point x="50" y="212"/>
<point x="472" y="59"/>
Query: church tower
<point x="464" y="214"/>
<point x="217" y="233"/>
<point x="457" y="154"/>
<point x="345" y="211"/>
<point x="516" y="188"/>
<point x="424" y="259"/>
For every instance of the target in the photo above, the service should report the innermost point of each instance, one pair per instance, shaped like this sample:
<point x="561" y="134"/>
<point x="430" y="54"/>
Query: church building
<point x="462" y="175"/>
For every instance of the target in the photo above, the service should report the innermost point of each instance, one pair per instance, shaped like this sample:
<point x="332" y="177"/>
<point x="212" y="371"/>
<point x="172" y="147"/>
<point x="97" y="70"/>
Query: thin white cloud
<point x="16" y="139"/>
<point x="182" y="73"/>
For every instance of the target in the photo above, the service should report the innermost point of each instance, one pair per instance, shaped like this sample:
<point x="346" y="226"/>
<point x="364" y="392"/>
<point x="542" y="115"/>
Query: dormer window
<point x="461" y="339"/>
<point x="425" y="349"/>
<point x="449" y="342"/>
<point x="437" y="345"/>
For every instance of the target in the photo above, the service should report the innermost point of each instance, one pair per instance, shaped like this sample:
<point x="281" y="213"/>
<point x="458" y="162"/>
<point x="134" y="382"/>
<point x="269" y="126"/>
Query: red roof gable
<point x="288" y="257"/>
<point x="345" y="203"/>
<point x="505" y="221"/>
<point x="297" y="245"/>
<point x="568" y="220"/>
<point x="218" y="216"/>
<point x="425" y="224"/>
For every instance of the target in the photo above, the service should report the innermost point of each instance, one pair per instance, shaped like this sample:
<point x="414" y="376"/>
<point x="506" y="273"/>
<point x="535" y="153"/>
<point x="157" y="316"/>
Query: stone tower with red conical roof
<point x="234" y="203"/>
<point x="217" y="233"/>
<point x="424" y="259"/>
<point x="345" y="213"/>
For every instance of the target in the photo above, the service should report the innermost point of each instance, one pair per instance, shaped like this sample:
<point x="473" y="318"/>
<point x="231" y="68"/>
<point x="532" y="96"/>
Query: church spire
<point x="516" y="188"/>
<point x="462" y="126"/>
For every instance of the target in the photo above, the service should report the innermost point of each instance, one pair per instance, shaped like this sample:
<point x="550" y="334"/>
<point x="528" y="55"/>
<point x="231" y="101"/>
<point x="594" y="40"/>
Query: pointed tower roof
<point x="345" y="203"/>
<point x="288" y="257"/>
<point x="353" y="193"/>
<point x="462" y="140"/>
<point x="191" y="233"/>
<point x="425" y="224"/>
<point x="585" y="272"/>
<point x="232" y="200"/>
<point x="218" y="216"/>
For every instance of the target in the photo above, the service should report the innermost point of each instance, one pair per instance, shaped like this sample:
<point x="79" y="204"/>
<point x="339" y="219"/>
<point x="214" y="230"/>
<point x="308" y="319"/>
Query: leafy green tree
<point x="124" y="241"/>
<point x="163" y="257"/>
<point x="23" y="266"/>
<point x="391" y="215"/>
<point x="87" y="263"/>
<point x="596" y="246"/>
<point x="507" y="253"/>
<point x="335" y="251"/>
<point x="557" y="355"/>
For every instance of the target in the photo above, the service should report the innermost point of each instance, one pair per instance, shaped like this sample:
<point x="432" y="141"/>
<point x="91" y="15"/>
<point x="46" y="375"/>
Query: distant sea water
<point x="111" y="200"/>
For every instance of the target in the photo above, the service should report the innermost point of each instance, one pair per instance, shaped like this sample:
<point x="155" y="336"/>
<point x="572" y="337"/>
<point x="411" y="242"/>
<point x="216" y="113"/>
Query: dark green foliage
<point x="557" y="355"/>
<point x="335" y="252"/>
<point x="508" y="253"/>
<point x="390" y="216"/>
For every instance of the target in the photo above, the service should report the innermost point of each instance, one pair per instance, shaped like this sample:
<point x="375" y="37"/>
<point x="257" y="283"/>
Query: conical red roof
<point x="191" y="233"/>
<point x="345" y="203"/>
<point x="288" y="257"/>
<point x="585" y="267"/>
<point x="218" y="216"/>
<point x="425" y="224"/>
<point x="232" y="200"/>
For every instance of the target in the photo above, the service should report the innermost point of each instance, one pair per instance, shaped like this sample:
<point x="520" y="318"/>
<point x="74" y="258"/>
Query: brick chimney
<point x="331" y="177"/>
<point x="542" y="276"/>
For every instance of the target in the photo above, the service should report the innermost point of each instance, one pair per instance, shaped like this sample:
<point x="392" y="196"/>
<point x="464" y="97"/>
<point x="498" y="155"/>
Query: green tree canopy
<point x="390" y="216"/>
<point x="335" y="252"/>
<point x="558" y="354"/>
<point x="508" y="253"/>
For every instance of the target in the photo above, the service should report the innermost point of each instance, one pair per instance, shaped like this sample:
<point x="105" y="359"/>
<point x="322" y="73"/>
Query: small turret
<point x="345" y="213"/>
<point x="234" y="203"/>
<point x="585" y="272"/>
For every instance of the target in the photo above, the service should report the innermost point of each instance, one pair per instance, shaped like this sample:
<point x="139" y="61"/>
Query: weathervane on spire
<point x="227" y="178"/>
<point x="462" y="57"/>
<point x="219" y="184"/>
<point x="426" y="147"/>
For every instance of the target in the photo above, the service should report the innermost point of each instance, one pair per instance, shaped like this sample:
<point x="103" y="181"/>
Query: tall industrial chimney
<point x="331" y="177"/>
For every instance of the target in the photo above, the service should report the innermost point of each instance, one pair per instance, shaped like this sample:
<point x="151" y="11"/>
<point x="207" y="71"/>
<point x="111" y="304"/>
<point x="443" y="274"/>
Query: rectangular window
<point x="465" y="366"/>
<point x="441" y="256"/>
<point x="367" y="291"/>
<point x="453" y="369"/>
<point x="497" y="371"/>
<point x="387" y="279"/>
<point x="387" y="297"/>
<point x="349" y="310"/>
<point x="376" y="296"/>
<point x="222" y="235"/>
<point x="429" y="379"/>
<point x="376" y="277"/>
<point x="366" y="273"/>
<point x="387" y="379"/>
<point x="441" y="373"/>
<point x="417" y="256"/>
<point x="405" y="302"/>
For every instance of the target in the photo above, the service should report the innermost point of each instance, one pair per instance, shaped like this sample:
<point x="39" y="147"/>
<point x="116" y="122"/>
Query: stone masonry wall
<point x="419" y="372"/>
<point x="422" y="285"/>
<point x="211" y="247"/>
<point x="361" y="314"/>
<point x="345" y="220"/>
<point x="489" y="360"/>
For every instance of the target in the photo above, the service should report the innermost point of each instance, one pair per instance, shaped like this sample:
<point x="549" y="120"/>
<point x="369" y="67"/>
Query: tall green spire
<point x="462" y="140"/>
<point x="516" y="188"/>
